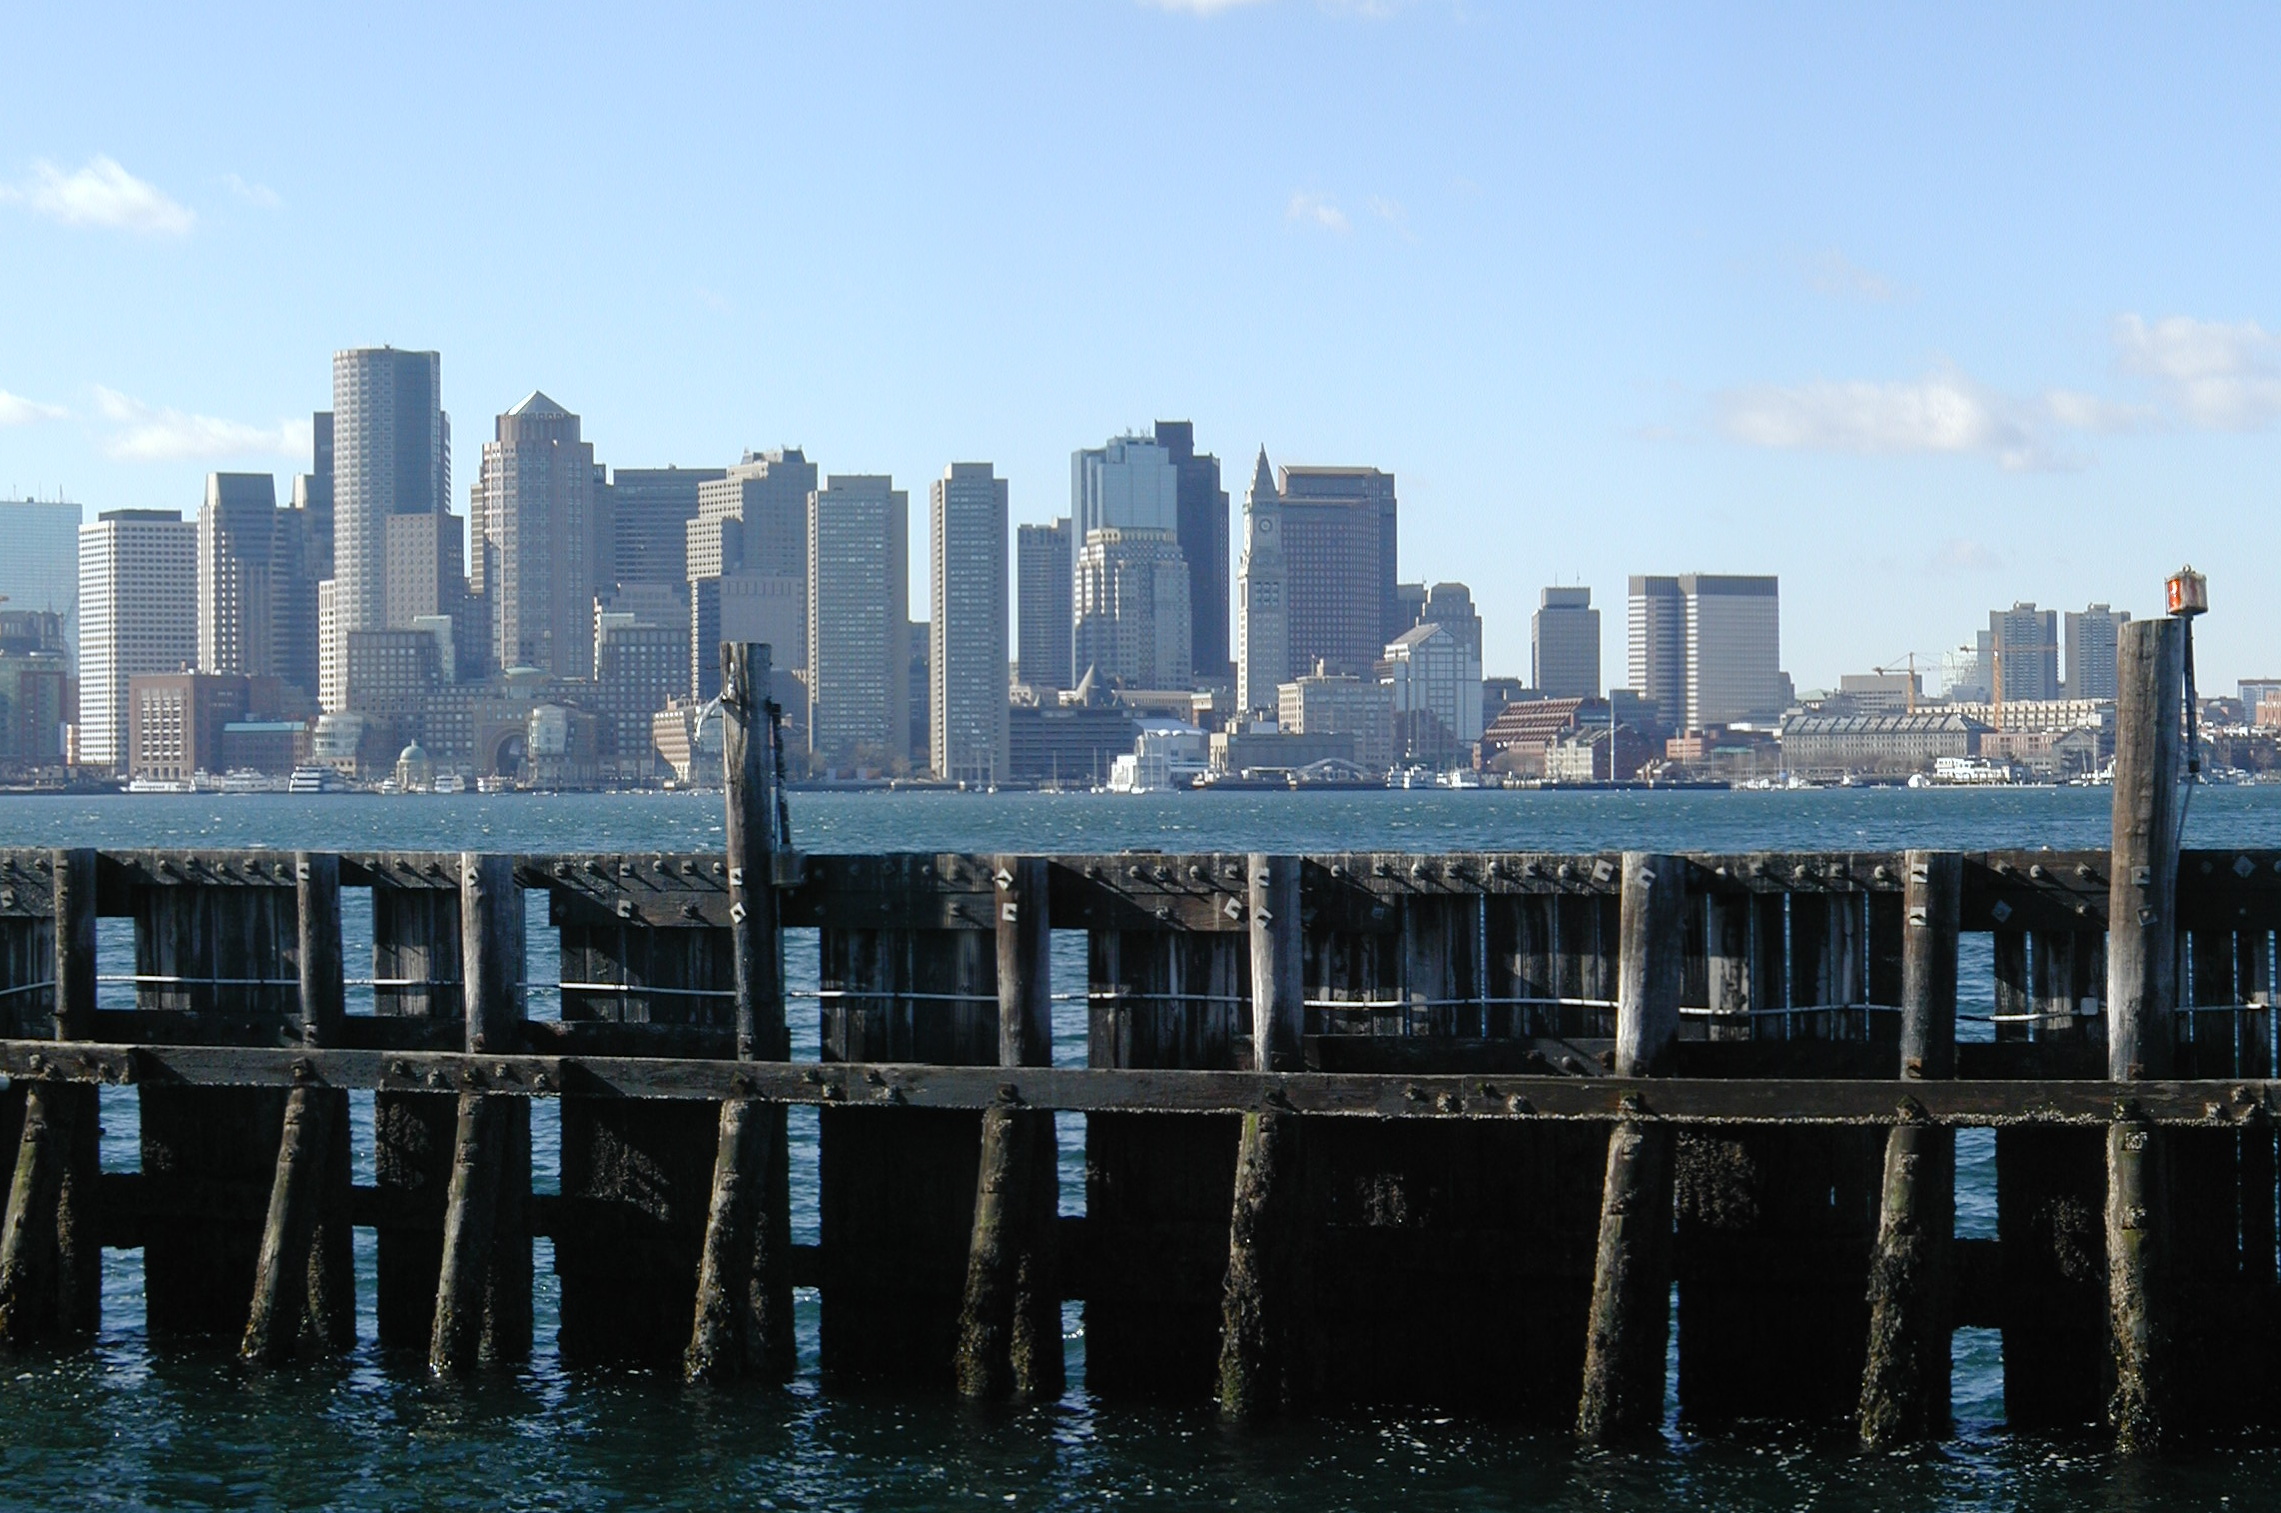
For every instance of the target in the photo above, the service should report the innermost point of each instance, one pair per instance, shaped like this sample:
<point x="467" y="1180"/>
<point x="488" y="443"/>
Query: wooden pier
<point x="1359" y="1128"/>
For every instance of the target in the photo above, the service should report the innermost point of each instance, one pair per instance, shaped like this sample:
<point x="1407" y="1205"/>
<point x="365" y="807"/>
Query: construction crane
<point x="1907" y="662"/>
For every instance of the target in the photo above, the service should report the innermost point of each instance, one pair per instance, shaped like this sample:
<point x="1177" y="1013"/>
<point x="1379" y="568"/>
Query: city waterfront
<point x="173" y="1427"/>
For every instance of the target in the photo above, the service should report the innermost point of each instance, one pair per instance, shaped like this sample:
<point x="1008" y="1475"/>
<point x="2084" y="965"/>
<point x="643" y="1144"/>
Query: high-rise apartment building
<point x="858" y="601"/>
<point x="2092" y="637"/>
<point x="542" y="543"/>
<point x="391" y="458"/>
<point x="1318" y="575"/>
<point x="1203" y="535"/>
<point x="138" y="605"/>
<point x="650" y="510"/>
<point x="1044" y="569"/>
<point x="748" y="563"/>
<point x="1564" y="645"/>
<point x="966" y="645"/>
<point x="40" y="568"/>
<point x="1707" y="648"/>
<point x="2021" y="654"/>
<point x="1132" y="608"/>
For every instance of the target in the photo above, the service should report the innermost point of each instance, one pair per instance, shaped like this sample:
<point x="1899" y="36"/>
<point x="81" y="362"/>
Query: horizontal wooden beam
<point x="2211" y="1104"/>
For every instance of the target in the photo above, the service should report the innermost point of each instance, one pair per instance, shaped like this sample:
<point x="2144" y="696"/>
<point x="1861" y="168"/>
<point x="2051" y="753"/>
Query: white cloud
<point x="100" y="194"/>
<point x="253" y="194"/>
<point x="1944" y="413"/>
<point x="1834" y="274"/>
<point x="2219" y="377"/>
<point x="148" y="433"/>
<point x="16" y="410"/>
<point x="1317" y="211"/>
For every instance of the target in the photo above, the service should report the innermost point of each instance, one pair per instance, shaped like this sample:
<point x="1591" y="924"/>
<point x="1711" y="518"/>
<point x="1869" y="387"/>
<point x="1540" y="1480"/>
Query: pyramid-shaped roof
<point x="536" y="403"/>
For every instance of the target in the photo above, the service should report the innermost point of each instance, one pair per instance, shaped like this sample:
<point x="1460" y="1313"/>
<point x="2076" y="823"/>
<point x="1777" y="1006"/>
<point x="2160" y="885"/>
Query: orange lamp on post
<point x="2188" y="593"/>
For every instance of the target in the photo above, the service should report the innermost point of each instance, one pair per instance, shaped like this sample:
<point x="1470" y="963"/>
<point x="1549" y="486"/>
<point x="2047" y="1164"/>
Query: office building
<point x="40" y="568"/>
<point x="649" y="512"/>
<point x="391" y="459"/>
<point x="1706" y="649"/>
<point x="747" y="556"/>
<point x="1320" y="703"/>
<point x="1318" y="577"/>
<point x="2019" y="657"/>
<point x="313" y="491"/>
<point x="1203" y="533"/>
<point x="1131" y="487"/>
<point x="237" y="581"/>
<point x="35" y="667"/>
<point x="1132" y="608"/>
<point x="1045" y="570"/>
<point x="1435" y="684"/>
<point x="543" y="544"/>
<point x="1450" y="605"/>
<point x="638" y="668"/>
<point x="858" y="598"/>
<point x="1564" y="645"/>
<point x="966" y="639"/>
<point x="138" y="605"/>
<point x="2092" y="636"/>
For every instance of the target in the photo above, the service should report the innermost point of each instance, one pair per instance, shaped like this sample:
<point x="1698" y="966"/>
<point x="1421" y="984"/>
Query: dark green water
<point x="128" y="1426"/>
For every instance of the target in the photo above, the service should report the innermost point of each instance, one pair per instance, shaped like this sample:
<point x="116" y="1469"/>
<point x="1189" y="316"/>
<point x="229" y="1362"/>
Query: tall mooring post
<point x="743" y="1321"/>
<point x="1631" y="1278"/>
<point x="2142" y="992"/>
<point x="1905" y="1379"/>
<point x="1261" y="1348"/>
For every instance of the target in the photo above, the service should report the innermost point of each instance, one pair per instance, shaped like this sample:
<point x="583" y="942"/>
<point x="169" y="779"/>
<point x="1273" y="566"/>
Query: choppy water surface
<point x="126" y="1426"/>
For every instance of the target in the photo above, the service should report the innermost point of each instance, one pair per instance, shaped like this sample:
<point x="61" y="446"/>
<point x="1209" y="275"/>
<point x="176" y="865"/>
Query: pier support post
<point x="1261" y="1349"/>
<point x="1631" y="1283"/>
<point x="304" y="1280"/>
<point x="483" y="1297"/>
<point x="1009" y="1328"/>
<point x="1905" y="1380"/>
<point x="743" y="1320"/>
<point x="50" y="1261"/>
<point x="2142" y="987"/>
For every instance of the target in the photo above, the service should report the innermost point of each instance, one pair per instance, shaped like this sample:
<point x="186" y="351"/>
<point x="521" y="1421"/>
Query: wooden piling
<point x="1261" y="1348"/>
<point x="1009" y="1334"/>
<point x="1905" y="1381"/>
<point x="2142" y="984"/>
<point x="744" y="1281"/>
<point x="483" y="1297"/>
<point x="1631" y="1285"/>
<point x="417" y="964"/>
<point x="304" y="1278"/>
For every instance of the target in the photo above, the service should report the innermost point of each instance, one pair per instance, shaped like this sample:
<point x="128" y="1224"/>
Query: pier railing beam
<point x="1009" y="1327"/>
<point x="743" y="1321"/>
<point x="483" y="1309"/>
<point x="1631" y="1281"/>
<point x="1261" y="1344"/>
<point x="1905" y="1378"/>
<point x="2142" y="989"/>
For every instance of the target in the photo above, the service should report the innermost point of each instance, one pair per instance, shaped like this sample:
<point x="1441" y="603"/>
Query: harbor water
<point x="130" y="1425"/>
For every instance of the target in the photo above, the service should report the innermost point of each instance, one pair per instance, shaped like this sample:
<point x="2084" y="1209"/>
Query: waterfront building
<point x="1564" y="645"/>
<point x="858" y="595"/>
<point x="138" y="604"/>
<point x="391" y="458"/>
<point x="1523" y="733"/>
<point x="1326" y="703"/>
<point x="1132" y="607"/>
<point x="638" y="666"/>
<point x="1045" y="570"/>
<point x="2092" y="637"/>
<point x="1816" y="744"/>
<point x="1435" y="683"/>
<point x="1203" y="534"/>
<point x="542" y="540"/>
<point x="1068" y="744"/>
<point x="40" y="569"/>
<point x="966" y="637"/>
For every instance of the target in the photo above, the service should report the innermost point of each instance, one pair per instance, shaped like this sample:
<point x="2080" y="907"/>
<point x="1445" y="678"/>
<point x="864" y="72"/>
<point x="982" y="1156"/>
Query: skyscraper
<point x="238" y="578"/>
<point x="747" y="555"/>
<point x="316" y="494"/>
<point x="1319" y="556"/>
<point x="391" y="457"/>
<point x="1132" y="608"/>
<point x="2092" y="635"/>
<point x="858" y="598"/>
<point x="138" y="603"/>
<point x="966" y="652"/>
<point x="2023" y="653"/>
<point x="1203" y="535"/>
<point x="1656" y="655"/>
<point x="542" y="546"/>
<point x="650" y="510"/>
<point x="40" y="568"/>
<point x="1564" y="645"/>
<point x="1450" y="605"/>
<point x="1044" y="570"/>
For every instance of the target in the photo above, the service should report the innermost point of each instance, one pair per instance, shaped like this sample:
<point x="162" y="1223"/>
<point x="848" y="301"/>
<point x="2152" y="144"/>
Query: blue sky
<point x="1926" y="309"/>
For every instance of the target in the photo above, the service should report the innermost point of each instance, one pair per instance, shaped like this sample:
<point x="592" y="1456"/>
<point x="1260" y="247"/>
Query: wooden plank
<point x="419" y="974"/>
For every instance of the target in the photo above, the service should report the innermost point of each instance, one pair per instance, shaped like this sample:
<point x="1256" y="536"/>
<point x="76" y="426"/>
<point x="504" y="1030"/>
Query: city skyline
<point x="1798" y="294"/>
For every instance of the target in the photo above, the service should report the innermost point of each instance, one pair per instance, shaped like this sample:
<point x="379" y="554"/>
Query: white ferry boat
<point x="315" y="780"/>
